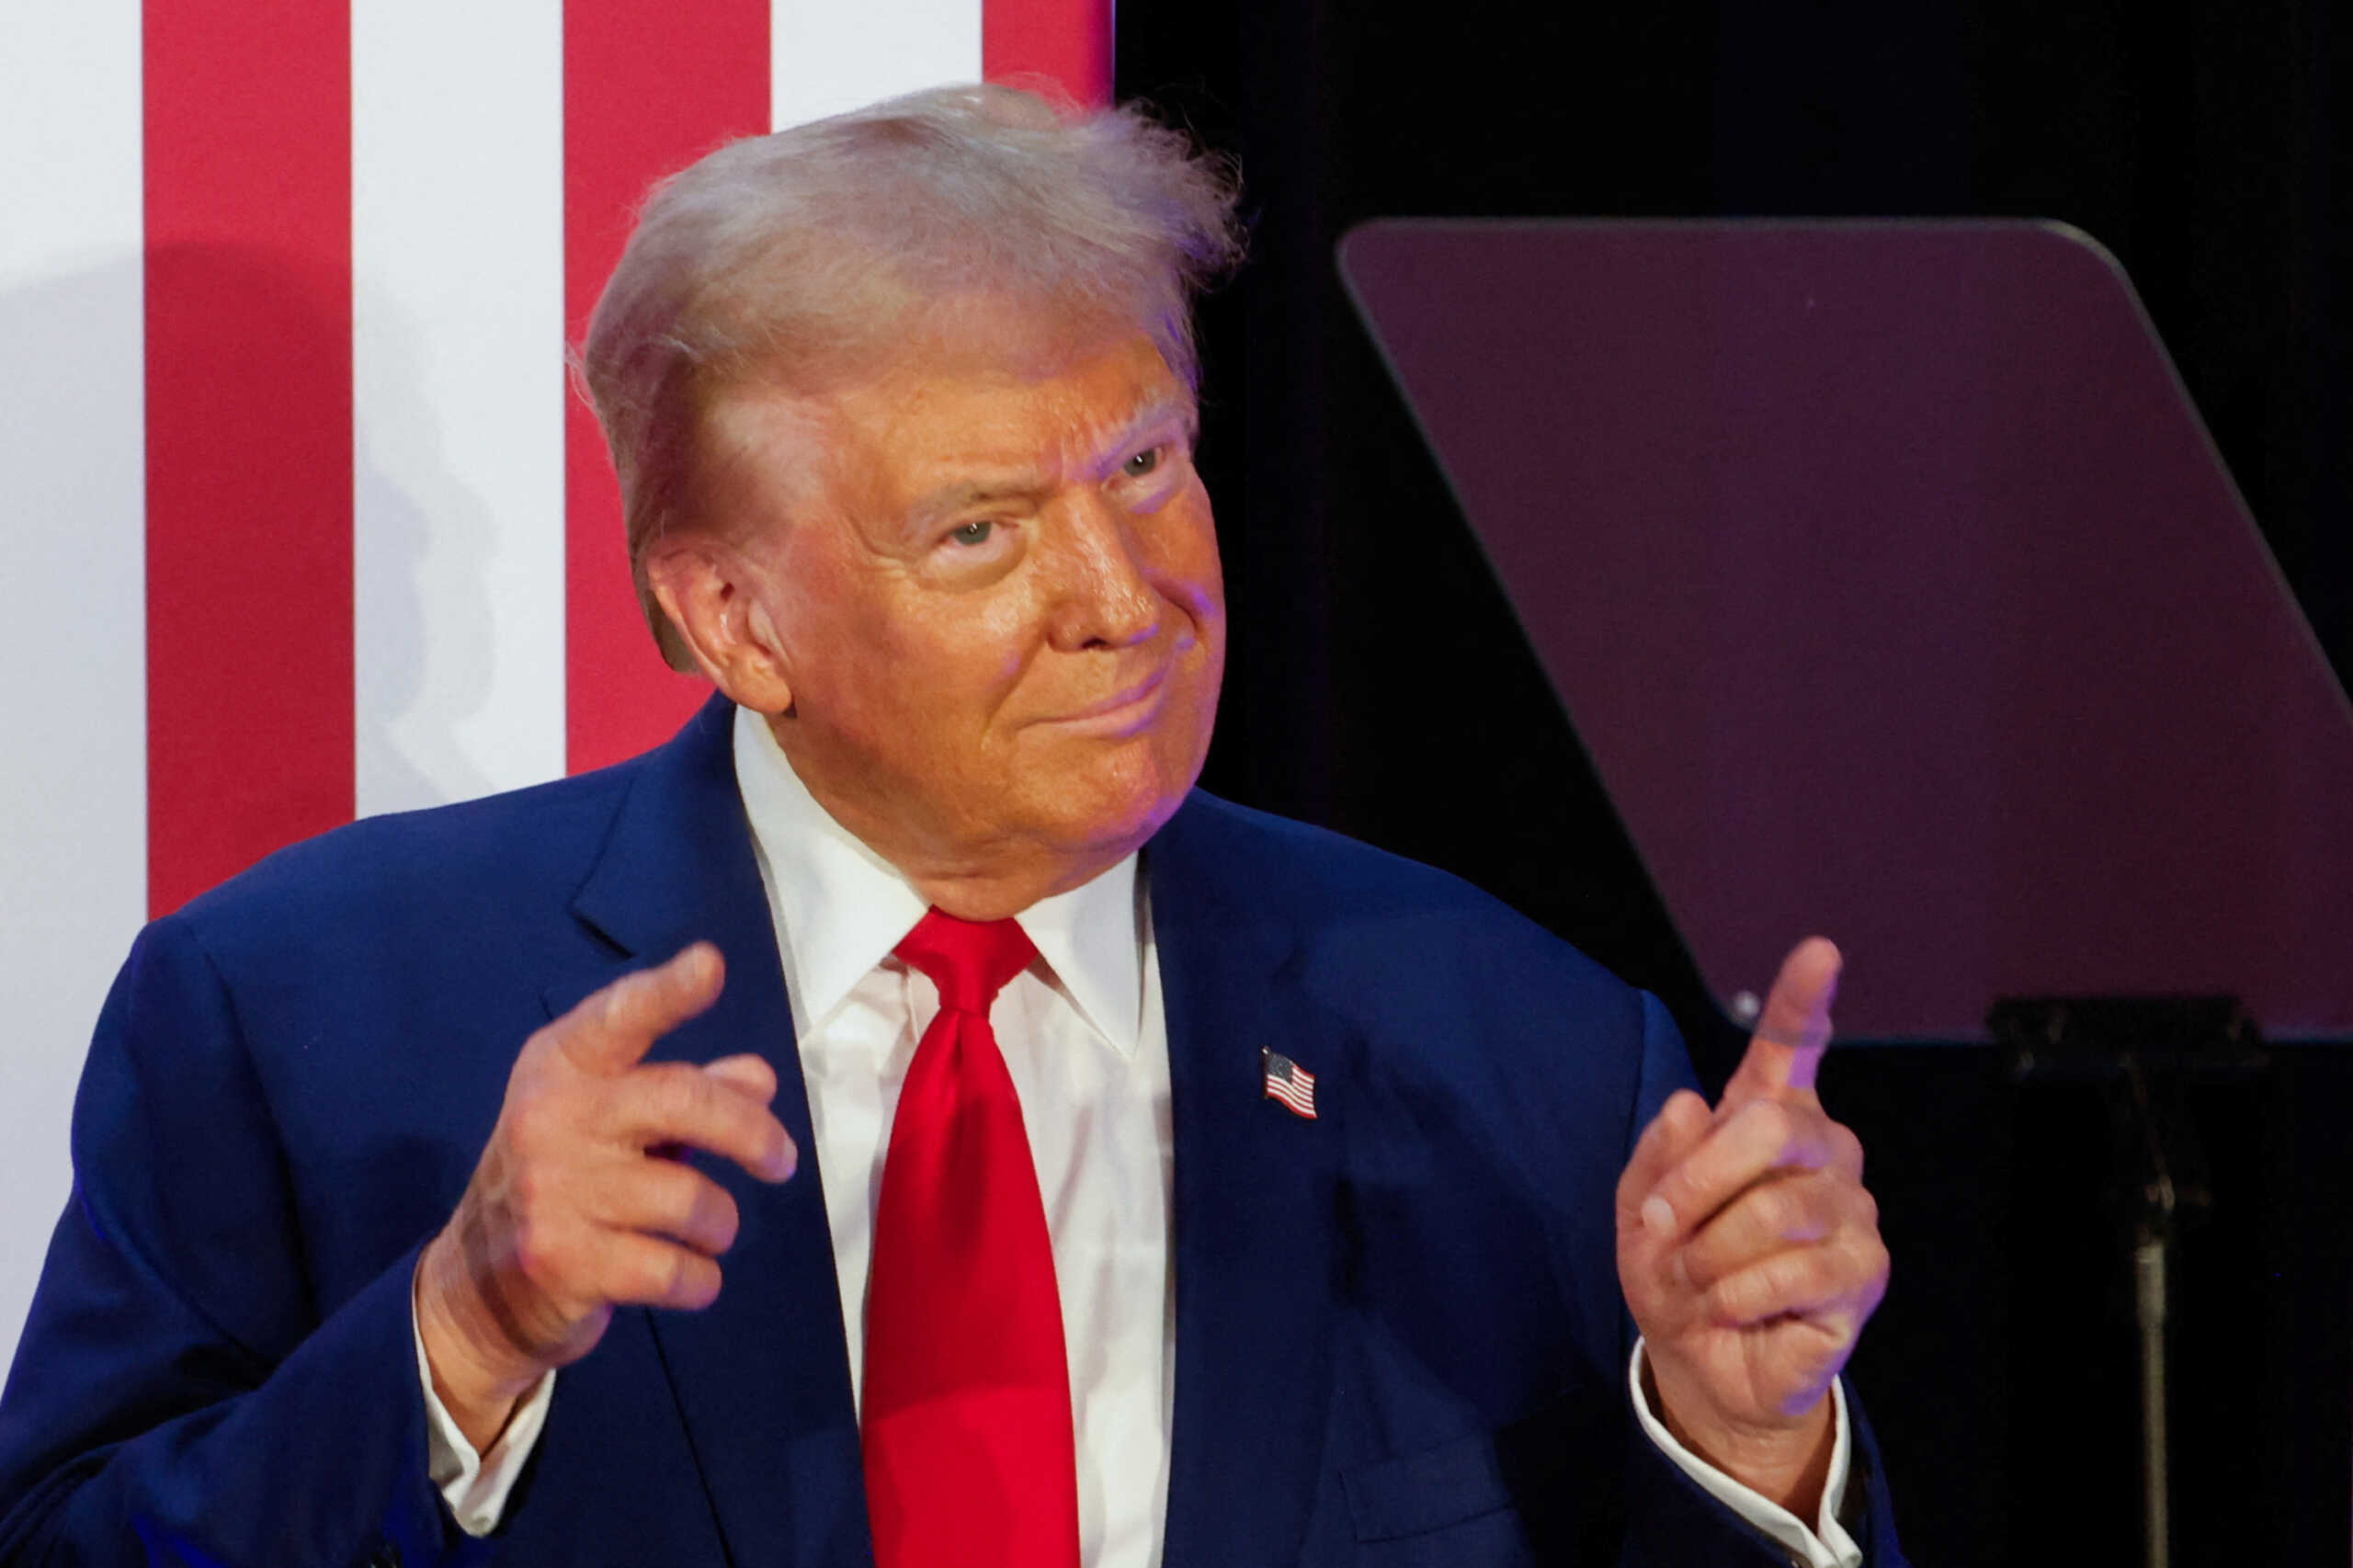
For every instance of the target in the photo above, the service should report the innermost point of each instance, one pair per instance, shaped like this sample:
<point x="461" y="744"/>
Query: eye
<point x="1144" y="463"/>
<point x="973" y="533"/>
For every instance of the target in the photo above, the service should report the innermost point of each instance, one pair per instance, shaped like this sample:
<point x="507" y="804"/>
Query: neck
<point x="972" y="875"/>
<point x="998" y="895"/>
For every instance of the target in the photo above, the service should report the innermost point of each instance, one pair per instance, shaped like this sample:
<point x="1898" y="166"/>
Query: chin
<point x="1122" y="824"/>
<point x="1115" y="809"/>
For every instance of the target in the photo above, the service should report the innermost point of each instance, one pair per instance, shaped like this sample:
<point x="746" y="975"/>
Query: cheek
<point x="1188" y="569"/>
<point x="987" y="654"/>
<point x="937" y="681"/>
<point x="846" y="655"/>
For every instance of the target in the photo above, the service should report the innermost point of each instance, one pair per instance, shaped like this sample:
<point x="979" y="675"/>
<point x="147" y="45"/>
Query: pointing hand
<point x="1749" y="1250"/>
<point x="575" y="1208"/>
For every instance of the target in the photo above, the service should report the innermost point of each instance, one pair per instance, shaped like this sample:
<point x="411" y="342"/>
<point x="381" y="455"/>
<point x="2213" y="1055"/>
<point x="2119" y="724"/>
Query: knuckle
<point x="1874" y="1257"/>
<point x="1772" y="1207"/>
<point x="674" y="1092"/>
<point x="1847" y="1260"/>
<point x="721" y="1110"/>
<point x="1767" y="1127"/>
<point x="528" y="1114"/>
<point x="1696" y="1189"/>
<point x="1733" y="1298"/>
<point x="1847" y="1148"/>
<point x="537" y="1256"/>
<point x="526" y="1188"/>
<point x="656" y="1194"/>
<point x="536" y="1047"/>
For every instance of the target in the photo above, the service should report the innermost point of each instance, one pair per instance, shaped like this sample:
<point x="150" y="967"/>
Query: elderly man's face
<point x="997" y="605"/>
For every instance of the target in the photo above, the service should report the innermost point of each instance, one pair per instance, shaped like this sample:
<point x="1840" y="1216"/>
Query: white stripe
<point x="73" y="537"/>
<point x="458" y="384"/>
<point x="828" y="56"/>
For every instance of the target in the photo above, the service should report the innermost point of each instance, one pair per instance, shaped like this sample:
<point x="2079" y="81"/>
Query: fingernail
<point x="1658" y="1215"/>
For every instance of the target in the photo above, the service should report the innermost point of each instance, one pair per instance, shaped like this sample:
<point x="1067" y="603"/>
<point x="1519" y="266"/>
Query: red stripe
<point x="649" y="85"/>
<point x="1068" y="40"/>
<point x="248" y="320"/>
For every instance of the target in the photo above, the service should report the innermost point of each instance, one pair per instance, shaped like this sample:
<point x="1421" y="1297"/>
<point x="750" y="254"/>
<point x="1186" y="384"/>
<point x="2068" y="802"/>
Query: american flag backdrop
<point x="300" y="520"/>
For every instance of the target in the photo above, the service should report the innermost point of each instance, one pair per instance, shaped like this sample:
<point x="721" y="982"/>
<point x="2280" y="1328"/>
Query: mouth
<point x="1125" y="711"/>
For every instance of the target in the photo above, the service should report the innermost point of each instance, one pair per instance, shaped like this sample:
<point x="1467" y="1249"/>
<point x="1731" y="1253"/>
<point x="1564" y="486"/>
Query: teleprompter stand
<point x="2144" y="1053"/>
<point x="1897" y="592"/>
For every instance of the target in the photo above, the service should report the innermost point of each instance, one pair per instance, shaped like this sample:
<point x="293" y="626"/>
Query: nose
<point x="1104" y="595"/>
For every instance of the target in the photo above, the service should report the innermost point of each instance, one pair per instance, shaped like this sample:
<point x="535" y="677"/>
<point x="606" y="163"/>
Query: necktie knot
<point x="970" y="960"/>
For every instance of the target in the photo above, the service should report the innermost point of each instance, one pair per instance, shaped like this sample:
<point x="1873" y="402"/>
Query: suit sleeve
<point x="179" y="1395"/>
<point x="1670" y="1519"/>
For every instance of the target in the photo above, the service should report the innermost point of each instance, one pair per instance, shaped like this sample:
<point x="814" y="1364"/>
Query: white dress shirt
<point x="1083" y="1039"/>
<point x="1085" y="1043"/>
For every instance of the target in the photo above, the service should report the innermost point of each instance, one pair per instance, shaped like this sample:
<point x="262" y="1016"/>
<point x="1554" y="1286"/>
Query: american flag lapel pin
<point x="1288" y="1082"/>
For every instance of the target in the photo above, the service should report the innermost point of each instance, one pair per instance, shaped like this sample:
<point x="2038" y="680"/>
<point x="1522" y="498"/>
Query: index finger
<point x="1785" y="1053"/>
<point x="613" y="1028"/>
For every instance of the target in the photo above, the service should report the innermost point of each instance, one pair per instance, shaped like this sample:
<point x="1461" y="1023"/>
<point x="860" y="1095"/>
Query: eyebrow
<point x="1156" y="412"/>
<point x="952" y="498"/>
<point x="955" y="498"/>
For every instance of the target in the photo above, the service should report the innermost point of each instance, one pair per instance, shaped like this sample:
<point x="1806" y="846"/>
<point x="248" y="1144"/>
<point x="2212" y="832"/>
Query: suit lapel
<point x="1256" y="1191"/>
<point x="762" y="1377"/>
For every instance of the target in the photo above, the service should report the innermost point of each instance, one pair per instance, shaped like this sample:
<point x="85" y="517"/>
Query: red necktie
<point x="967" y="1420"/>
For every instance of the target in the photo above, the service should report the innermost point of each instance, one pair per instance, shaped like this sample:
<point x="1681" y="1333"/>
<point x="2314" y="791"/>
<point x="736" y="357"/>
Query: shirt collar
<point x="841" y="908"/>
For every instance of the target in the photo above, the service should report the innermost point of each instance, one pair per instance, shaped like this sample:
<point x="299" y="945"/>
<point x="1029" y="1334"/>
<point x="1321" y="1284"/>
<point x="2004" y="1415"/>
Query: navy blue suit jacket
<point x="1399" y="1334"/>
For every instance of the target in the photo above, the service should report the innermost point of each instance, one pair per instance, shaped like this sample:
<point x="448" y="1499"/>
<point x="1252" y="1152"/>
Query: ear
<point x="710" y="594"/>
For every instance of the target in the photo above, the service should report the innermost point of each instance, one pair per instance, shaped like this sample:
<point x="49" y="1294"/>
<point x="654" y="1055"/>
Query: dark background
<point x="1379" y="684"/>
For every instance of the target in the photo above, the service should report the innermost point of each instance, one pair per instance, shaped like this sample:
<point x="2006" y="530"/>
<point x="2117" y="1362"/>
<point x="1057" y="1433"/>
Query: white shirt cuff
<point x="1827" y="1545"/>
<point x="475" y="1485"/>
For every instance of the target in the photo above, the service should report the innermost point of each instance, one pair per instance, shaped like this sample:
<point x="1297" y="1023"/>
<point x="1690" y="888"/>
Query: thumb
<point x="1785" y="1053"/>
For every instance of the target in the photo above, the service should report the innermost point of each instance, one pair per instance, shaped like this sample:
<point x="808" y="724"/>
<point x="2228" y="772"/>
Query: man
<point x="899" y="1116"/>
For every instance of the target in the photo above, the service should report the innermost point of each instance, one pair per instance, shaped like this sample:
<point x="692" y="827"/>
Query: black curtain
<point x="1378" y="683"/>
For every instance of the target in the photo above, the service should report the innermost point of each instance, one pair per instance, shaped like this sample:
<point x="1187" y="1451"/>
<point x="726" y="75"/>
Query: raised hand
<point x="574" y="1208"/>
<point x="1749" y="1250"/>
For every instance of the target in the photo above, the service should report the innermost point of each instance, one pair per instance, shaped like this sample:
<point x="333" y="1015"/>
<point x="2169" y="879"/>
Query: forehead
<point x="960" y="410"/>
<point x="1076" y="400"/>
